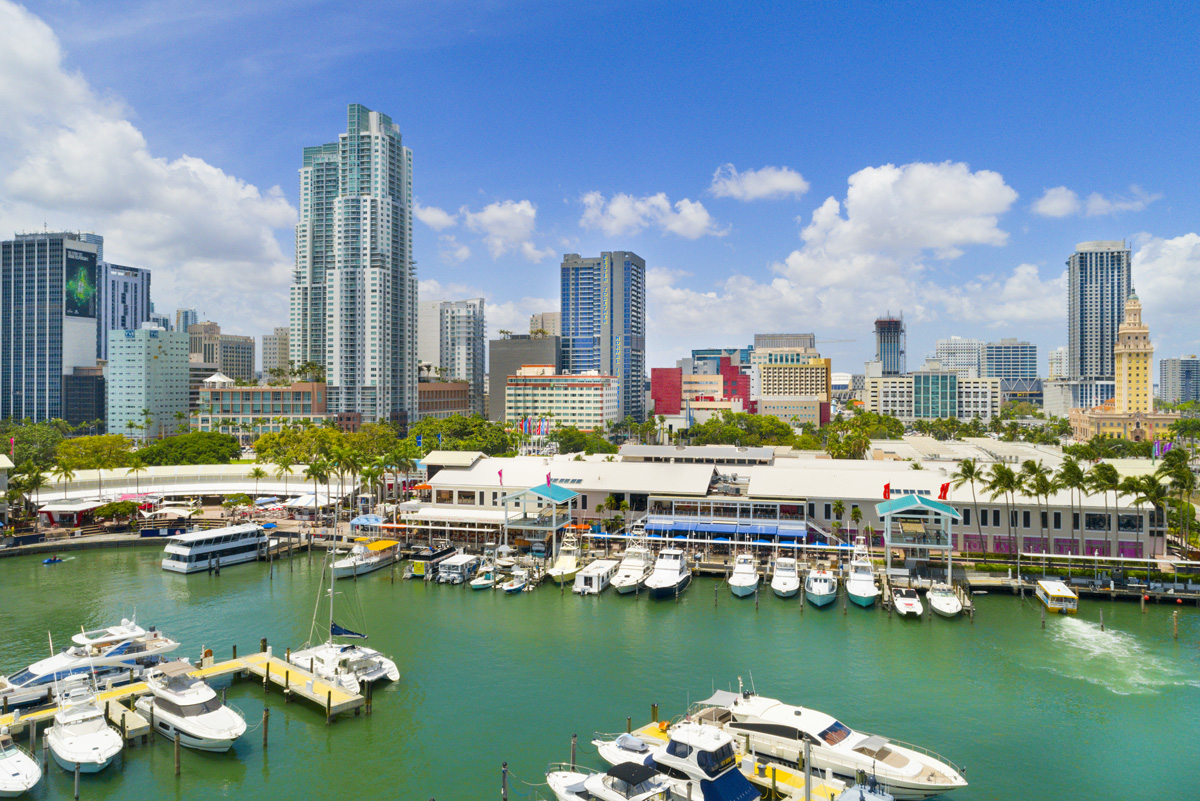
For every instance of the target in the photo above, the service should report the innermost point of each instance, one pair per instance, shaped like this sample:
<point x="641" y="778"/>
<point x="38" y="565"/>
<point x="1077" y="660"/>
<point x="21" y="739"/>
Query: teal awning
<point x="907" y="503"/>
<point x="555" y="493"/>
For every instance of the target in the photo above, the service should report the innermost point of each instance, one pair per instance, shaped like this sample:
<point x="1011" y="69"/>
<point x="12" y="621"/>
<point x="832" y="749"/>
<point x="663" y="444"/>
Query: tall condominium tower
<point x="1179" y="379"/>
<point x="1010" y="359"/>
<point x="890" y="344"/>
<point x="964" y="356"/>
<point x="354" y="292"/>
<point x="603" y="321"/>
<point x="275" y="352"/>
<point x="451" y="337"/>
<point x="185" y="319"/>
<point x="1098" y="283"/>
<point x="124" y="294"/>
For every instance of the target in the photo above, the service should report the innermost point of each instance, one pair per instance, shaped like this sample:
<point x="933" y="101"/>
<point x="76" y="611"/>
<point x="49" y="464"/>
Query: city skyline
<point x="961" y="214"/>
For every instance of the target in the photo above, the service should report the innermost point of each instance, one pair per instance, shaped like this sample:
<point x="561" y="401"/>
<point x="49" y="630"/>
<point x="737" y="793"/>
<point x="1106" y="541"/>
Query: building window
<point x="995" y="518"/>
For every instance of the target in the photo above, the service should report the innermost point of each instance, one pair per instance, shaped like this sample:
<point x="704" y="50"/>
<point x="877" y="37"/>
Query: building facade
<point x="506" y="356"/>
<point x="932" y="393"/>
<point x="49" y="316"/>
<point x="548" y="322"/>
<point x="147" y="382"/>
<point x="604" y="322"/>
<point x="237" y="357"/>
<point x="1098" y="283"/>
<point x="185" y="319"/>
<point x="85" y="396"/>
<point x="891" y="343"/>
<point x="1179" y="380"/>
<point x="588" y="401"/>
<point x="964" y="356"/>
<point x="450" y="337"/>
<point x="443" y="398"/>
<point x="124" y="301"/>
<point x="1057" y="364"/>
<point x="276" y="353"/>
<point x="804" y="341"/>
<point x="230" y="409"/>
<point x="226" y="353"/>
<point x="1010" y="359"/>
<point x="354" y="292"/>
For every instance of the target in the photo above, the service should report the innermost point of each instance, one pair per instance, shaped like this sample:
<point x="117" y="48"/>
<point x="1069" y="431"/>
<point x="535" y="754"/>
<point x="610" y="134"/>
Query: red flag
<point x="547" y="481"/>
<point x="501" y="474"/>
<point x="945" y="491"/>
<point x="887" y="491"/>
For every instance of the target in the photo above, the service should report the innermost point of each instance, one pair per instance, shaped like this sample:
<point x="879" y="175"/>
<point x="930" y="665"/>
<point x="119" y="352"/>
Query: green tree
<point x="257" y="473"/>
<point x="1072" y="478"/>
<point x="969" y="472"/>
<point x="64" y="473"/>
<point x="571" y="440"/>
<point x="136" y="465"/>
<point x="856" y="516"/>
<point x="1103" y="478"/>
<point x="1003" y="482"/>
<point x="102" y="452"/>
<point x="197" y="447"/>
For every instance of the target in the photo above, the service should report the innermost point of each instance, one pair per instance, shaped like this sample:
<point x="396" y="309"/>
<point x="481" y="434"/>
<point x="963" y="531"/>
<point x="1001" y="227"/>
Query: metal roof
<point x="453" y="458"/>
<point x="555" y="493"/>
<point x="716" y="453"/>
<point x="580" y="476"/>
<point x="907" y="502"/>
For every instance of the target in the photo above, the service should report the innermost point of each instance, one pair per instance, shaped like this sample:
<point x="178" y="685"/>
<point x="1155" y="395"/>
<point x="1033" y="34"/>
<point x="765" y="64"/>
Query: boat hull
<point x="360" y="568"/>
<point x="786" y="589"/>
<point x="513" y="589"/>
<point x="627" y="586"/>
<point x="820" y="598"/>
<point x="561" y="577"/>
<point x="946" y="610"/>
<point x="482" y="584"/>
<point x="671" y="590"/>
<point x="743" y="590"/>
<point x="865" y="601"/>
<point x="171" y="566"/>
<point x="213" y="745"/>
<point x="19" y="773"/>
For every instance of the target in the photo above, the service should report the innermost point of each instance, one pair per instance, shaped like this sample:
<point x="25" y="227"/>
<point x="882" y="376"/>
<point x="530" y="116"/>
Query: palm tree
<point x="371" y="475"/>
<point x="1152" y="491"/>
<point x="969" y="472"/>
<point x="1176" y="469"/>
<point x="856" y="516"/>
<point x="1104" y="478"/>
<point x="64" y="473"/>
<point x="1071" y="477"/>
<point x="283" y="468"/>
<point x="1002" y="481"/>
<point x="136" y="465"/>
<point x="1039" y="482"/>
<point x="317" y="470"/>
<point x="257" y="474"/>
<point x="1131" y="486"/>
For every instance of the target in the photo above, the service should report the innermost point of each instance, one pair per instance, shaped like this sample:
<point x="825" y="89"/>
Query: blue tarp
<point x="720" y="539"/>
<point x="367" y="520"/>
<point x="268" y="525"/>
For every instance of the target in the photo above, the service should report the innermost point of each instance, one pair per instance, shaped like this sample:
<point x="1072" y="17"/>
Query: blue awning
<point x="759" y="529"/>
<point x="718" y="528"/>
<point x="680" y="536"/>
<point x="659" y="527"/>
<point x="720" y="539"/>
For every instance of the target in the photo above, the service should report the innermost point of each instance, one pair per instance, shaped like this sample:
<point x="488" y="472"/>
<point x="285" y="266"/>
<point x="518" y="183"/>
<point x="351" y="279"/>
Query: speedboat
<point x="19" y="771"/>
<point x="908" y="603"/>
<point x="366" y="556"/>
<point x="860" y="583"/>
<point x="943" y="601"/>
<point x="516" y="582"/>
<point x="701" y="761"/>
<point x="184" y="704"/>
<point x="671" y="575"/>
<point x="777" y="731"/>
<point x="119" y="653"/>
<point x="488" y="575"/>
<point x="636" y="567"/>
<point x="785" y="581"/>
<point x="566" y="566"/>
<point x="743" y="581"/>
<point x="625" y="781"/>
<point x="80" y="737"/>
<point x="820" y="587"/>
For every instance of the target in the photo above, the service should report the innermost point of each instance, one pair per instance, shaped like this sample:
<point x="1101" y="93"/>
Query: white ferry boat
<point x="198" y="550"/>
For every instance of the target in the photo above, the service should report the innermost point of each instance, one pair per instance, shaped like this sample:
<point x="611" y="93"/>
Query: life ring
<point x="207" y="653"/>
<point x="662" y="725"/>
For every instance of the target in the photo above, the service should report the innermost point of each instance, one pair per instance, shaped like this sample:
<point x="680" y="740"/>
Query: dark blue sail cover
<point x="338" y="631"/>
<point x="732" y="786"/>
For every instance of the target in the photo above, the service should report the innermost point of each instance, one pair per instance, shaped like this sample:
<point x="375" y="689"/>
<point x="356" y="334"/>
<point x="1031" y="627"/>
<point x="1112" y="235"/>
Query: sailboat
<point x="347" y="666"/>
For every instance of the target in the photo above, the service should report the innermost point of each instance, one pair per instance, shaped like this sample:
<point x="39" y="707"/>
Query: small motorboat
<point x="943" y="601"/>
<point x="516" y="582"/>
<point x="785" y="582"/>
<point x="80" y="737"/>
<point x="625" y="781"/>
<point x="743" y="581"/>
<point x="19" y="771"/>
<point x="820" y="587"/>
<point x="908" y="603"/>
<point x="184" y="704"/>
<point x="53" y="560"/>
<point x="636" y="566"/>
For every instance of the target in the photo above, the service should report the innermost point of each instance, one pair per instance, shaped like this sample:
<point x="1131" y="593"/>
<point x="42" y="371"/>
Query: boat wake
<point x="1113" y="659"/>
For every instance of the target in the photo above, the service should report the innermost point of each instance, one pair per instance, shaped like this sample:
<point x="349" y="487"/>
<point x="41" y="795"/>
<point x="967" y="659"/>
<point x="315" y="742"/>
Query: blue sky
<point x="934" y="158"/>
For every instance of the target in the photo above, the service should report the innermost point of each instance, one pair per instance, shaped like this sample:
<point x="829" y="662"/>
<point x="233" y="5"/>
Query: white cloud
<point x="624" y="214"/>
<point x="769" y="182"/>
<point x="1138" y="199"/>
<point x="1057" y="202"/>
<point x="435" y="218"/>
<point x="73" y="159"/>
<point x="451" y="251"/>
<point x="1020" y="297"/>
<point x="1164" y="275"/>
<point x="507" y="226"/>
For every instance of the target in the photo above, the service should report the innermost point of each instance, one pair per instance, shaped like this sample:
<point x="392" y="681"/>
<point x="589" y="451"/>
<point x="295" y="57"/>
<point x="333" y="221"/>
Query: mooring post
<point x="1102" y="620"/>
<point x="77" y="779"/>
<point x="287" y="686"/>
<point x="654" y="713"/>
<point x="504" y="781"/>
<point x="1175" y="624"/>
<point x="45" y="754"/>
<point x="266" y="720"/>
<point x="235" y="650"/>
<point x="267" y="677"/>
<point x="574" y="742"/>
<point x="756" y="599"/>
<point x="1143" y="602"/>
<point x="33" y="737"/>
<point x="152" y="724"/>
<point x="222" y="696"/>
<point x="177" y="753"/>
<point x="1043" y="617"/>
<point x="370" y="695"/>
<point x="4" y="706"/>
<point x="262" y="645"/>
<point x="628" y="724"/>
<point x="288" y="655"/>
<point x="328" y="707"/>
<point x="716" y="589"/>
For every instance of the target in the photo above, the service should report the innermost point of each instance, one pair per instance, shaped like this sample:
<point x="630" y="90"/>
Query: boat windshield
<point x="189" y="710"/>
<point x="835" y="733"/>
<point x="714" y="763"/>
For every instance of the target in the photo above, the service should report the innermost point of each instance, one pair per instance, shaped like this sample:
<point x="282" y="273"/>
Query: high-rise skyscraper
<point x="890" y="344"/>
<point x="147" y="382"/>
<point x="451" y="337"/>
<point x="354" y="292"/>
<point x="185" y="319"/>
<point x="545" y="321"/>
<point x="964" y="356"/>
<point x="603" y="319"/>
<point x="275" y="352"/>
<point x="49" y="308"/>
<point x="1057" y="367"/>
<point x="124" y="301"/>
<point x="1179" y="380"/>
<point x="1098" y="283"/>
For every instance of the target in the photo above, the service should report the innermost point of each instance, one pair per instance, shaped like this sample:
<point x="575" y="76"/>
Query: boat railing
<point x="962" y="771"/>
<point x="567" y="767"/>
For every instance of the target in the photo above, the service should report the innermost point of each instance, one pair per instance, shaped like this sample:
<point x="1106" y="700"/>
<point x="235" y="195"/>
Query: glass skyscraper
<point x="890" y="341"/>
<point x="354" y="292"/>
<point x="603" y="321"/>
<point x="1098" y="283"/>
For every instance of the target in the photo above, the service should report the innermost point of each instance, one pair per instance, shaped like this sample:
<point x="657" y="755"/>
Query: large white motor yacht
<point x="566" y="566"/>
<point x="636" y="566"/>
<point x="625" y="781"/>
<point x="785" y="580"/>
<point x="19" y="771"/>
<point x="860" y="583"/>
<point x="943" y="601"/>
<point x="700" y="760"/>
<point x="778" y="731"/>
<point x="670" y="576"/>
<point x="743" y="581"/>
<point x="183" y="703"/>
<point x="119" y="653"/>
<point x="366" y="556"/>
<point x="79" y="736"/>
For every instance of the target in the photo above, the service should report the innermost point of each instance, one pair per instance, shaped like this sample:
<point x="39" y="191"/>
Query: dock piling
<point x="654" y="713"/>
<point x="1102" y="620"/>
<point x="222" y="696"/>
<point x="176" y="753"/>
<point x="45" y="754"/>
<point x="328" y="707"/>
<point x="716" y="590"/>
<point x="262" y="645"/>
<point x="287" y="686"/>
<point x="628" y="724"/>
<point x="1142" y="601"/>
<point x="77" y="780"/>
<point x="756" y="599"/>
<point x="265" y="721"/>
<point x="504" y="781"/>
<point x="1175" y="624"/>
<point x="574" y="742"/>
<point x="33" y="737"/>
<point x="235" y="650"/>
<point x="266" y="677"/>
<point x="1043" y="617"/>
<point x="370" y="696"/>
<point x="152" y="724"/>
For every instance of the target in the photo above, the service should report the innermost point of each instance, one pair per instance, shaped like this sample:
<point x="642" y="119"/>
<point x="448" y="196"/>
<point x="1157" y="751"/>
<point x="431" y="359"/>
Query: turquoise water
<point x="1062" y="713"/>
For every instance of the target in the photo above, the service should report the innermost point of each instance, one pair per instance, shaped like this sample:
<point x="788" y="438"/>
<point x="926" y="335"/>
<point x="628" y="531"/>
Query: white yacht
<point x="488" y="575"/>
<point x="366" y="556"/>
<point x="670" y="576"/>
<point x="179" y="702"/>
<point x="80" y="736"/>
<point x="785" y="581"/>
<point x="596" y="577"/>
<point x="778" y="731"/>
<point x="743" y="581"/>
<point x="820" y="587"/>
<point x="218" y="547"/>
<point x="907" y="602"/>
<point x="19" y="771"/>
<point x="943" y="600"/>
<point x="625" y="781"/>
<point x="517" y="581"/>
<point x="636" y="566"/>
<point x="701" y="761"/>
<point x="860" y="583"/>
<point x="119" y="653"/>
<point x="566" y="566"/>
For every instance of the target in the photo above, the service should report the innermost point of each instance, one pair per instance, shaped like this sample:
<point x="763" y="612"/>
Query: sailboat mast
<point x="331" y="555"/>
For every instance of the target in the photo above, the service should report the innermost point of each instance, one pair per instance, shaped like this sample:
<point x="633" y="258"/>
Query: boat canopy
<point x="632" y="773"/>
<point x="381" y="545"/>
<point x="173" y="669"/>
<point x="721" y="698"/>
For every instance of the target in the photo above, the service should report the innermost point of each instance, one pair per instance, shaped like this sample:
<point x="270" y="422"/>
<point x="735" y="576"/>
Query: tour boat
<point x="1057" y="597"/>
<point x="670" y="576"/>
<point x="458" y="569"/>
<point x="625" y="781"/>
<point x="907" y="602"/>
<point x="701" y="761"/>
<point x="217" y="547"/>
<point x="80" y="737"/>
<point x="820" y="587"/>
<point x="777" y="731"/>
<point x="743" y="581"/>
<point x="785" y="581"/>
<point x="594" y="578"/>
<point x="516" y="582"/>
<point x="19" y="771"/>
<point x="566" y="566"/>
<point x="636" y="566"/>
<point x="365" y="557"/>
<point x="943" y="600"/>
<point x="860" y="583"/>
<point x="184" y="704"/>
<point x="119" y="653"/>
